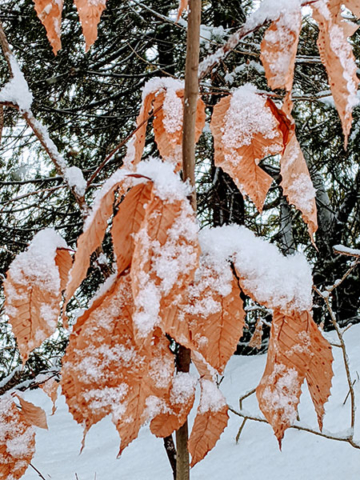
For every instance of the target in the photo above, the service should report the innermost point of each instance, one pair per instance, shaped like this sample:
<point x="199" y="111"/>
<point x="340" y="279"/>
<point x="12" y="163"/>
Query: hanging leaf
<point x="183" y="5"/>
<point x="94" y="232"/>
<point x="90" y="12"/>
<point x="17" y="439"/>
<point x="168" y="237"/>
<point x="50" y="387"/>
<point x="49" y="12"/>
<point x="127" y="222"/>
<point x="168" y="124"/>
<point x="246" y="131"/>
<point x="32" y="292"/>
<point x="210" y="421"/>
<point x="217" y="334"/>
<point x="278" y="48"/>
<point x="297" y="351"/>
<point x="337" y="56"/>
<point x="256" y="339"/>
<point x="63" y="261"/>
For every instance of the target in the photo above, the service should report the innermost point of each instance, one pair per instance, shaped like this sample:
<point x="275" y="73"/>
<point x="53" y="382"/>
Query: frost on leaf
<point x="50" y="387"/>
<point x="126" y="223"/>
<point x="164" y="261"/>
<point x="246" y="131"/>
<point x="90" y="12"/>
<point x="297" y="351"/>
<point x="216" y="313"/>
<point x="32" y="291"/>
<point x="278" y="48"/>
<point x="210" y="421"/>
<point x="49" y="12"/>
<point x="168" y="124"/>
<point x="17" y="437"/>
<point x="176" y="407"/>
<point x="337" y="56"/>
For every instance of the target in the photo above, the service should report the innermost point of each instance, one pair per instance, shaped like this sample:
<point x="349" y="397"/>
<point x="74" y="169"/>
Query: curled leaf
<point x="49" y="12"/>
<point x="90" y="12"/>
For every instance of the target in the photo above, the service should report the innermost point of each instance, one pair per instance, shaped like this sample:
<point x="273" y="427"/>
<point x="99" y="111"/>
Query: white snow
<point x="74" y="177"/>
<point x="303" y="454"/>
<point x="16" y="91"/>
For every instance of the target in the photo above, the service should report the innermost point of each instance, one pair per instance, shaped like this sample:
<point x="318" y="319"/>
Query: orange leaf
<point x="246" y="131"/>
<point x="210" y="421"/>
<point x="217" y="333"/>
<point x="17" y="442"/>
<point x="183" y="5"/>
<point x="278" y="49"/>
<point x="90" y="12"/>
<point x="50" y="387"/>
<point x="337" y="56"/>
<point x="177" y="406"/>
<point x="256" y="339"/>
<point x="33" y="415"/>
<point x="168" y="124"/>
<point x="63" y="261"/>
<point x="32" y="292"/>
<point x="93" y="235"/>
<point x="127" y="222"/>
<point x="164" y="262"/>
<point x="297" y="351"/>
<point x="49" y="12"/>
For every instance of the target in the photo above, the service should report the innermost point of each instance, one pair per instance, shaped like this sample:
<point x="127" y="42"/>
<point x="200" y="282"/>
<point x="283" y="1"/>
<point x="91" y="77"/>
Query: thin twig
<point x="37" y="471"/>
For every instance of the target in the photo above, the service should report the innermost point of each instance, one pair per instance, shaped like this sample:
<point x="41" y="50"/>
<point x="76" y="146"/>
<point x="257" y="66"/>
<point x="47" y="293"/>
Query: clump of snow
<point x="158" y="84"/>
<point x="302" y="193"/>
<point x="272" y="10"/>
<point x="212" y="400"/>
<point x="173" y="112"/>
<point x="75" y="179"/>
<point x="183" y="388"/>
<point x="246" y="117"/>
<point x="272" y="279"/>
<point x="16" y="91"/>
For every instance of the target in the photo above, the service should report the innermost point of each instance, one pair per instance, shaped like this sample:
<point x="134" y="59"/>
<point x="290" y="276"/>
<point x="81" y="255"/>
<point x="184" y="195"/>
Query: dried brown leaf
<point x="50" y="387"/>
<point x="49" y="12"/>
<point x="89" y="13"/>
<point x="127" y="222"/>
<point x="63" y="261"/>
<point x="297" y="351"/>
<point x="183" y="5"/>
<point x="278" y="49"/>
<point x="239" y="146"/>
<point x="337" y="56"/>
<point x="17" y="443"/>
<point x="256" y="339"/>
<point x="34" y="416"/>
<point x="210" y="421"/>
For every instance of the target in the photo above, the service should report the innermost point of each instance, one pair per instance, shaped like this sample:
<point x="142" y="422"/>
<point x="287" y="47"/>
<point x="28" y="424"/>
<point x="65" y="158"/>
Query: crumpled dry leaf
<point x="49" y="12"/>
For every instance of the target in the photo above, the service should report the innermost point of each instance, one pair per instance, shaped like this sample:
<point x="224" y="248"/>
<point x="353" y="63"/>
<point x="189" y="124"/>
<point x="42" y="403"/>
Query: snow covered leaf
<point x="256" y="339"/>
<point x="32" y="291"/>
<point x="90" y="12"/>
<point x="177" y="406"/>
<point x="168" y="124"/>
<point x="278" y="48"/>
<point x="32" y="414"/>
<point x="94" y="231"/>
<point x="246" y="131"/>
<point x="296" y="181"/>
<point x="49" y="12"/>
<point x="210" y="421"/>
<point x="101" y="359"/>
<point x="63" y="261"/>
<point x="50" y="387"/>
<point x="337" y="56"/>
<point x="183" y="5"/>
<point x="297" y="351"/>
<point x="217" y="333"/>
<point x="164" y="262"/>
<point x="17" y="440"/>
<point x="127" y="222"/>
<point x="204" y="369"/>
<point x="297" y="184"/>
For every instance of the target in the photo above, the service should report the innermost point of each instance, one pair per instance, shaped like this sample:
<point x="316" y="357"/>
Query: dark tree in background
<point x="89" y="102"/>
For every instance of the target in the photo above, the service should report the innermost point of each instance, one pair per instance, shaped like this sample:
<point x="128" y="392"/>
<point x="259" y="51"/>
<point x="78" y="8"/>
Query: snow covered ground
<point x="255" y="457"/>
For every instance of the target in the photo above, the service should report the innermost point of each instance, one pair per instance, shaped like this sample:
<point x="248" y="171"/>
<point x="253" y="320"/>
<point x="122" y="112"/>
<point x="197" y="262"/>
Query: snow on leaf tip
<point x="49" y="12"/>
